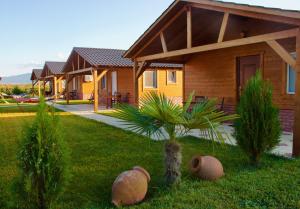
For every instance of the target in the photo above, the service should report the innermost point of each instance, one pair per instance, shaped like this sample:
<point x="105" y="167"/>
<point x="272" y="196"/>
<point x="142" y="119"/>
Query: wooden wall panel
<point x="213" y="74"/>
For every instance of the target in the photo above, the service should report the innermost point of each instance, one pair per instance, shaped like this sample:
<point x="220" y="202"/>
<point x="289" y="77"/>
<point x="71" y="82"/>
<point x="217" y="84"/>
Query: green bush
<point x="258" y="129"/>
<point x="43" y="162"/>
<point x="17" y="91"/>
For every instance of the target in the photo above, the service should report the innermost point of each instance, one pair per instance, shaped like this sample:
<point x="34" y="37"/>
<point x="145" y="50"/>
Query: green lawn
<point x="75" y="102"/>
<point x="14" y="108"/>
<point x="100" y="153"/>
<point x="7" y="100"/>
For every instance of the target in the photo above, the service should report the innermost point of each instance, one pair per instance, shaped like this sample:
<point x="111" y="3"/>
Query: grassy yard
<point x="14" y="108"/>
<point x="75" y="102"/>
<point x="100" y="152"/>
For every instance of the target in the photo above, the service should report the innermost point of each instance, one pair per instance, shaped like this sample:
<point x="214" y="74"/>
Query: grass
<point x="7" y="100"/>
<point x="14" y="108"/>
<point x="75" y="102"/>
<point x="100" y="152"/>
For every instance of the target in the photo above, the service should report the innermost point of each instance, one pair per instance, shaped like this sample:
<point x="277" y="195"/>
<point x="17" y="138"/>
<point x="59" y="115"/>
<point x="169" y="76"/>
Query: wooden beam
<point x="223" y="27"/>
<point x="226" y="44"/>
<point x="161" y="30"/>
<point x="81" y="71"/>
<point x="296" y="135"/>
<point x="163" y="42"/>
<point x="78" y="62"/>
<point x="39" y="88"/>
<point x="251" y="14"/>
<point x="189" y="28"/>
<point x="103" y="73"/>
<point x="135" y="84"/>
<point x="142" y="68"/>
<point x="282" y="53"/>
<point x="55" y="87"/>
<point x="95" y="76"/>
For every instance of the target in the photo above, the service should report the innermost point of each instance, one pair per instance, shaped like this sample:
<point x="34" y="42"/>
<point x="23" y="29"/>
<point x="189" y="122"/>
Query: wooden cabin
<point x="36" y="79"/>
<point x="222" y="45"/>
<point x="53" y="73"/>
<point x="114" y="76"/>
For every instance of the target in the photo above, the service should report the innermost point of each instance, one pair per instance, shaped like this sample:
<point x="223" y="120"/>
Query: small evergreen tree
<point x="258" y="128"/>
<point x="17" y="91"/>
<point x="43" y="161"/>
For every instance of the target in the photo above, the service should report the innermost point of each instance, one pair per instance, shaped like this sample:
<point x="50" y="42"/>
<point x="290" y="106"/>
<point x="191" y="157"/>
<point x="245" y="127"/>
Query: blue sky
<point x="33" y="31"/>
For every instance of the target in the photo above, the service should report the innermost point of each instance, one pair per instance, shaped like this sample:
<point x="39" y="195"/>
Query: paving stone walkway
<point x="86" y="111"/>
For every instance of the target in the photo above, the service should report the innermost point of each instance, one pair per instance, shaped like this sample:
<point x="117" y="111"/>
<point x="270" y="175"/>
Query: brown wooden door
<point x="246" y="68"/>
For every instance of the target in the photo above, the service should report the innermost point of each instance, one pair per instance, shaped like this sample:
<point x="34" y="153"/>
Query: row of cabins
<point x="220" y="46"/>
<point x="109" y="73"/>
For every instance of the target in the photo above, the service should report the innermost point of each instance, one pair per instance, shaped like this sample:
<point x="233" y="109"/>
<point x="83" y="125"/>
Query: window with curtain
<point x="150" y="79"/>
<point x="172" y="76"/>
<point x="291" y="78"/>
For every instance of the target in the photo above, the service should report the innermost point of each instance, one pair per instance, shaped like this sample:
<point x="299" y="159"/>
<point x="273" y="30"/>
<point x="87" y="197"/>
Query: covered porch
<point x="221" y="46"/>
<point x="53" y="76"/>
<point x="36" y="80"/>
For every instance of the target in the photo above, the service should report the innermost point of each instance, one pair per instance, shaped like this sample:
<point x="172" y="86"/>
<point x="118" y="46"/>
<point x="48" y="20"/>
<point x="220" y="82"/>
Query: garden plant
<point x="258" y="129"/>
<point x="43" y="161"/>
<point x="158" y="115"/>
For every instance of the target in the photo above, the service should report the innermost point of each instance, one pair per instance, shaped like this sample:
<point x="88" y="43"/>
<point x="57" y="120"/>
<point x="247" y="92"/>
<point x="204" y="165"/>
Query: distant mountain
<point x="17" y="79"/>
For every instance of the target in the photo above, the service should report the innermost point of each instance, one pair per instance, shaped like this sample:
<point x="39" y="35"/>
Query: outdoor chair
<point x="91" y="99"/>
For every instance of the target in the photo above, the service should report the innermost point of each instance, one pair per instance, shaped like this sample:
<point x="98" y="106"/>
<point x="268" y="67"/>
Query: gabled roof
<point x="36" y="74"/>
<point x="100" y="57"/>
<point x="55" y="68"/>
<point x="178" y="4"/>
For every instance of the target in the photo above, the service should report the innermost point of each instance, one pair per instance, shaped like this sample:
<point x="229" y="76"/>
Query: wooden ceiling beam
<point x="189" y="27"/>
<point x="282" y="53"/>
<point x="161" y="30"/>
<point x="255" y="15"/>
<point x="223" y="27"/>
<point x="226" y="44"/>
<point x="163" y="42"/>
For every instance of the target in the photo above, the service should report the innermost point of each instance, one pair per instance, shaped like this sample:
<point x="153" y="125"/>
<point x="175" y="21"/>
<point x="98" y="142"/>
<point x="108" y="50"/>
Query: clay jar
<point x="130" y="187"/>
<point x="206" y="167"/>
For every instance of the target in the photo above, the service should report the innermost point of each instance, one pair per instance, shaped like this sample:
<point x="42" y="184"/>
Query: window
<point x="103" y="82"/>
<point x="150" y="79"/>
<point x="291" y="78"/>
<point x="171" y="76"/>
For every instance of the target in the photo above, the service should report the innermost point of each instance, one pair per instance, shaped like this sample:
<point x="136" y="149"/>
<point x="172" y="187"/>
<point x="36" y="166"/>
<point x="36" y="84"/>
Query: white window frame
<point x="171" y="82"/>
<point x="288" y="67"/>
<point x="144" y="83"/>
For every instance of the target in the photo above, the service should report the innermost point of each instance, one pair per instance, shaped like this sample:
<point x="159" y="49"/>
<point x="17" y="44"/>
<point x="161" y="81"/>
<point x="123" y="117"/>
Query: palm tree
<point x="158" y="115"/>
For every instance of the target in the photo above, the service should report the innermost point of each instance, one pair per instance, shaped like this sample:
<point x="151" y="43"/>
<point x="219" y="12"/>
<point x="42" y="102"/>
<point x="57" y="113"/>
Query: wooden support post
<point x="189" y="28"/>
<point x="55" y="87"/>
<point x="223" y="27"/>
<point x="296" y="136"/>
<point x="135" y="84"/>
<point x="39" y="88"/>
<point x="32" y="88"/>
<point x="44" y="83"/>
<point x="95" y="76"/>
<point x="67" y="89"/>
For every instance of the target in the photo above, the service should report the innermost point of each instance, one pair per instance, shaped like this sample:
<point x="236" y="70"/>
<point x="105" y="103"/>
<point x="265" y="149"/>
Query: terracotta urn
<point x="206" y="167"/>
<point x="130" y="187"/>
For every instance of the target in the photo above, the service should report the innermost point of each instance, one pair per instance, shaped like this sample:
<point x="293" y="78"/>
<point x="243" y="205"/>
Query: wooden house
<point x="36" y="79"/>
<point x="112" y="75"/>
<point x="221" y="45"/>
<point x="53" y="73"/>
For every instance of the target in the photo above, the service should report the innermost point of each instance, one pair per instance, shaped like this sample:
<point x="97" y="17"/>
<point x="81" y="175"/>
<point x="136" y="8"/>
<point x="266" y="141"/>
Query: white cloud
<point x="61" y="56"/>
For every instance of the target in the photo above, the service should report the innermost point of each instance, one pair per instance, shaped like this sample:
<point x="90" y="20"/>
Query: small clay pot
<point x="206" y="167"/>
<point x="130" y="187"/>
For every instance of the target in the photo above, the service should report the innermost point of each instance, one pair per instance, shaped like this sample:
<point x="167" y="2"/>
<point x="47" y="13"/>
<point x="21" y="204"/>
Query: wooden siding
<point x="213" y="74"/>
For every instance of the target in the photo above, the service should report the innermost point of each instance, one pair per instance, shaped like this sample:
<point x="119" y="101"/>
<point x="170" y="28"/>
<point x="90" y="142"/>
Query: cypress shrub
<point x="43" y="162"/>
<point x="258" y="128"/>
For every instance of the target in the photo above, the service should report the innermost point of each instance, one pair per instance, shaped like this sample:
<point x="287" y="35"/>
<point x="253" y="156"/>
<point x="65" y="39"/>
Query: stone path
<point x="86" y="111"/>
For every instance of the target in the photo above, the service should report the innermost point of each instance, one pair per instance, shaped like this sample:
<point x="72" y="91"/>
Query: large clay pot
<point x="130" y="187"/>
<point x="206" y="167"/>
